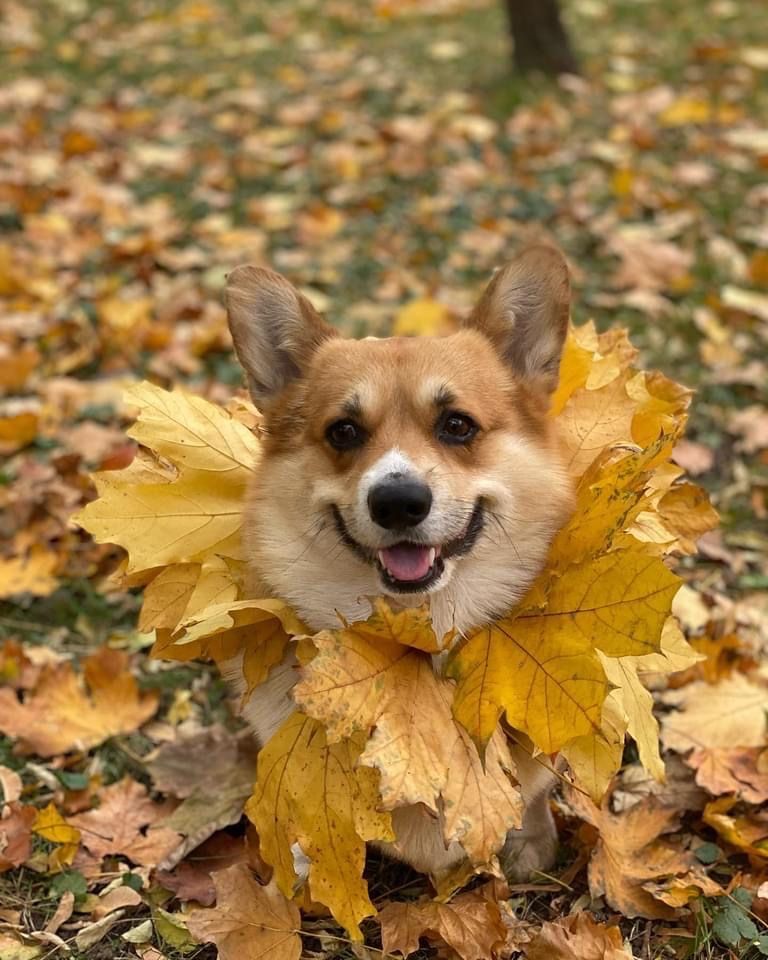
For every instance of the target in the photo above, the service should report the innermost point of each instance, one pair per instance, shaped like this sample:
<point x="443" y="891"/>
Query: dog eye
<point x="345" y="435"/>
<point x="456" y="428"/>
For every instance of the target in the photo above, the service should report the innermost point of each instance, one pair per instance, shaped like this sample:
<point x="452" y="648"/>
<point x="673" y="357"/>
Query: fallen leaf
<point x="694" y="457"/>
<point x="470" y="924"/>
<point x="33" y="574"/>
<point x="11" y="785"/>
<point x="15" y="834"/>
<point x="192" y="878"/>
<point x="58" y="715"/>
<point x="14" y="948"/>
<point x="630" y="852"/>
<point x="126" y="822"/>
<point x="741" y="771"/>
<point x="577" y="937"/>
<point x="249" y="921"/>
<point x="751" y="424"/>
<point x="50" y="825"/>
<point x="730" y="714"/>
<point x="213" y="773"/>
<point x="747" y="832"/>
<point x="423" y="318"/>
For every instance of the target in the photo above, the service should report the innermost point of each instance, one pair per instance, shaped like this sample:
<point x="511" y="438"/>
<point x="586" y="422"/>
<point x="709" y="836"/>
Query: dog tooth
<point x="432" y="554"/>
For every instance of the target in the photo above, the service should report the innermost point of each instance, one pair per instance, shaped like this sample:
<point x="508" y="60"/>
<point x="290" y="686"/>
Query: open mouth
<point x="411" y="567"/>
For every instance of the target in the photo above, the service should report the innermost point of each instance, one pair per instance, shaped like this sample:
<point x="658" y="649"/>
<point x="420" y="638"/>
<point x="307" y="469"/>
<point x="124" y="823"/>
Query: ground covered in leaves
<point x="384" y="158"/>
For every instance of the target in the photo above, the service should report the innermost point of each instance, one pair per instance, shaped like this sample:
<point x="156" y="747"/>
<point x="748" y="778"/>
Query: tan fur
<point x="499" y="370"/>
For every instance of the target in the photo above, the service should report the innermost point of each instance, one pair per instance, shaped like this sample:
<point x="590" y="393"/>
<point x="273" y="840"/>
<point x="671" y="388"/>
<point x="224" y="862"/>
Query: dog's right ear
<point x="274" y="328"/>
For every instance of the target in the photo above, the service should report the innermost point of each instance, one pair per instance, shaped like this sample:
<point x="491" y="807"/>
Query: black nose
<point x="399" y="504"/>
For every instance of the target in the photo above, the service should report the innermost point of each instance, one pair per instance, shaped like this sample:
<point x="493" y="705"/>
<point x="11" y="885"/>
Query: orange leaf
<point x="59" y="715"/>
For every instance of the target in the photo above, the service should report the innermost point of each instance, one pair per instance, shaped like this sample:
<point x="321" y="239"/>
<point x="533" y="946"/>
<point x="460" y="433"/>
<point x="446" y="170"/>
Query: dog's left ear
<point x="524" y="313"/>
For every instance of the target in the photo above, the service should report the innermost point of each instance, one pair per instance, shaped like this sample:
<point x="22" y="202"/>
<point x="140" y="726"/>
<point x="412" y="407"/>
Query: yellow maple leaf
<point x="197" y="513"/>
<point x="541" y="666"/>
<point x="609" y="497"/>
<point x="309" y="792"/>
<point x="361" y="682"/>
<point x="595" y="757"/>
<point x="592" y="420"/>
<point x="636" y="702"/>
<point x="550" y="689"/>
<point x="167" y="596"/>
<point x="260" y="629"/>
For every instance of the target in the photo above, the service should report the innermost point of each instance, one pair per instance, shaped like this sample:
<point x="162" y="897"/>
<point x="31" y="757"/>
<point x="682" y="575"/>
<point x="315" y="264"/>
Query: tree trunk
<point x="539" y="37"/>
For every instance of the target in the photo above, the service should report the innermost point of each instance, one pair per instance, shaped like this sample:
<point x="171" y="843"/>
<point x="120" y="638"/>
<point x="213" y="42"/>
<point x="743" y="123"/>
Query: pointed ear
<point x="274" y="328"/>
<point x="524" y="313"/>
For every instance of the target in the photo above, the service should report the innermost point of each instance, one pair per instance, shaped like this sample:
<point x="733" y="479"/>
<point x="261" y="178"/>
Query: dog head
<point x="409" y="468"/>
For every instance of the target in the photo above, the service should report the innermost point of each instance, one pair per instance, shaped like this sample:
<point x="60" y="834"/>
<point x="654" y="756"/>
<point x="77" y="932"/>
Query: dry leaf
<point x="31" y="574"/>
<point x="16" y="821"/>
<point x="470" y="924"/>
<point x="58" y="715"/>
<point x="748" y="832"/>
<point x="214" y="774"/>
<point x="629" y="853"/>
<point x="577" y="937"/>
<point x="125" y="822"/>
<point x="197" y="513"/>
<point x="541" y="666"/>
<point x="742" y="771"/>
<point x="309" y="792"/>
<point x="249" y="921"/>
<point x="730" y="714"/>
<point x="363" y="682"/>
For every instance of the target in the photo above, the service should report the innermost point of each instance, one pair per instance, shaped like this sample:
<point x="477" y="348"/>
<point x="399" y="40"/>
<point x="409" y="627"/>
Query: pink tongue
<point x="406" y="561"/>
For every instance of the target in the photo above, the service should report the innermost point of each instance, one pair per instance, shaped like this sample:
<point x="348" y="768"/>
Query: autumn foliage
<point x="378" y="729"/>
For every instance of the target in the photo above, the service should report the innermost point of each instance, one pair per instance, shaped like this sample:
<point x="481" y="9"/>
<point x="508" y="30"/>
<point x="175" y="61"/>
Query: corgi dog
<point x="416" y="469"/>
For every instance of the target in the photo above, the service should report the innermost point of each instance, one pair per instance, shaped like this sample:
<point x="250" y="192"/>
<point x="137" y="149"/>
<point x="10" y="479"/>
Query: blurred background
<point x="386" y="155"/>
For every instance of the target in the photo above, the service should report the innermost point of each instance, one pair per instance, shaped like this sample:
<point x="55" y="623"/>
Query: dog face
<point x="409" y="468"/>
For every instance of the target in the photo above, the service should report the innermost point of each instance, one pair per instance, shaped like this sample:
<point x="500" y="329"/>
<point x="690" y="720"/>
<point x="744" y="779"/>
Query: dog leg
<point x="533" y="847"/>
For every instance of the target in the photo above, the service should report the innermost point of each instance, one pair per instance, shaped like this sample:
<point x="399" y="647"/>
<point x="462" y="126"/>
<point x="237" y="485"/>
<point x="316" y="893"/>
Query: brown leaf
<point x="694" y="457"/>
<point x="729" y="714"/>
<point x="629" y="852"/>
<point x="249" y="922"/>
<point x="126" y="823"/>
<point x="192" y="879"/>
<point x="213" y="772"/>
<point x="577" y="937"/>
<point x="740" y="771"/>
<point x="470" y="924"/>
<point x="58" y="715"/>
<point x="15" y="834"/>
